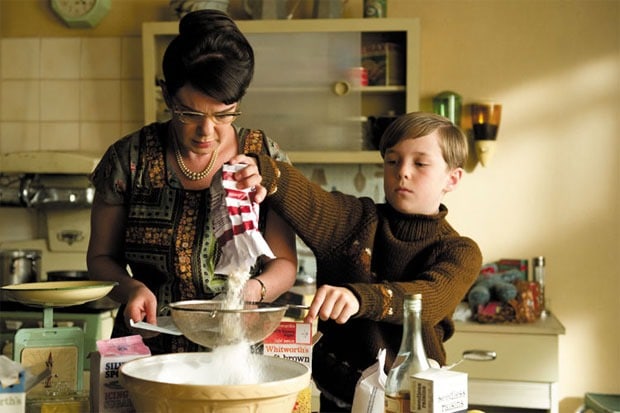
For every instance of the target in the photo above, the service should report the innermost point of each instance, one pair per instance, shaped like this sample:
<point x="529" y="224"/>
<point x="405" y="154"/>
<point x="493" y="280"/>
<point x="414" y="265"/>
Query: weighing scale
<point x="59" y="349"/>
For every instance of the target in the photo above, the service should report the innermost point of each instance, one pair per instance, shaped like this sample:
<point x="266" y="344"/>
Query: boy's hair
<point x="452" y="140"/>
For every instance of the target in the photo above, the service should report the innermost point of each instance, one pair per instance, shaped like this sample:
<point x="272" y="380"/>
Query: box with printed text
<point x="107" y="395"/>
<point x="293" y="340"/>
<point x="385" y="64"/>
<point x="12" y="386"/>
<point x="438" y="391"/>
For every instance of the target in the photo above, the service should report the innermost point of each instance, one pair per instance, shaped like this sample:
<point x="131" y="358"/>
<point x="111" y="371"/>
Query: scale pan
<point x="58" y="293"/>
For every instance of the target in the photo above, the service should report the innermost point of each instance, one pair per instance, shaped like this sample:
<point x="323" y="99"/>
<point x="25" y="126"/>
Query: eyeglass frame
<point x="214" y="117"/>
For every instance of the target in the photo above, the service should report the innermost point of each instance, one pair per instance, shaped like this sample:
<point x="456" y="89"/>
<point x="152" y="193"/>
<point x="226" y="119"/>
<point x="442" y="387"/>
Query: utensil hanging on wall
<point x="360" y="180"/>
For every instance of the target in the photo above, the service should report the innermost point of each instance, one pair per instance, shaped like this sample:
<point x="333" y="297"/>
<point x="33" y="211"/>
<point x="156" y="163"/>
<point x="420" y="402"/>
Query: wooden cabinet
<point x="304" y="93"/>
<point x="525" y="372"/>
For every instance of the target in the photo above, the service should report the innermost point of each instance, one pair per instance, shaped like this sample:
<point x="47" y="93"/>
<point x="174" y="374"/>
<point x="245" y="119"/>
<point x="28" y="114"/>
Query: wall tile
<point x="60" y="58"/>
<point x="131" y="58"/>
<point x="17" y="224"/>
<point x="101" y="58"/>
<point x="130" y="127"/>
<point x="19" y="136"/>
<point x="60" y="136"/>
<point x="20" y="58"/>
<point x="100" y="100"/>
<point x="98" y="136"/>
<point x="20" y="100"/>
<point x="60" y="100"/>
<point x="132" y="100"/>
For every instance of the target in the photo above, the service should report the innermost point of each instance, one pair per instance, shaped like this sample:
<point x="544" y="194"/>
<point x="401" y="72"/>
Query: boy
<point x="369" y="256"/>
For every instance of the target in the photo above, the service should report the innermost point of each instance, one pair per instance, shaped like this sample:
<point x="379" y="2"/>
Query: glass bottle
<point x="411" y="358"/>
<point x="538" y="264"/>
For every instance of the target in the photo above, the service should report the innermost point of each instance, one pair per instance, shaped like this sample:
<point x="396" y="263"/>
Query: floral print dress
<point x="169" y="241"/>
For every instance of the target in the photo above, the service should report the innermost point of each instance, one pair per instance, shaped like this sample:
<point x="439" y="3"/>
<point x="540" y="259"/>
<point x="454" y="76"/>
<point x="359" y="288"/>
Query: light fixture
<point x="485" y="119"/>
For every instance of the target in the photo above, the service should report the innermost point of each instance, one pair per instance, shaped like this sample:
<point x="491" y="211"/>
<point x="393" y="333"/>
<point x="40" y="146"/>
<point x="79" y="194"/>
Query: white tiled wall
<point x="84" y="94"/>
<point x="69" y="93"/>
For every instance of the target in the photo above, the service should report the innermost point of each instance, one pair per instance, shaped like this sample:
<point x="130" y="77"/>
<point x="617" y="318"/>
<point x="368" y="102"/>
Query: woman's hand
<point x="142" y="305"/>
<point x="249" y="177"/>
<point x="336" y="303"/>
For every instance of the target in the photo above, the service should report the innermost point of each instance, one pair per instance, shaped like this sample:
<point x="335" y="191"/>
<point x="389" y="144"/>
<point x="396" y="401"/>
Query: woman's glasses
<point x="197" y="118"/>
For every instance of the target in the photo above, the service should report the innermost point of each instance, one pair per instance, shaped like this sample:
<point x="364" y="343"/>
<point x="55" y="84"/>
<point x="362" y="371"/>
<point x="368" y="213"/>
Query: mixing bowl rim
<point x="214" y="387"/>
<point x="262" y="307"/>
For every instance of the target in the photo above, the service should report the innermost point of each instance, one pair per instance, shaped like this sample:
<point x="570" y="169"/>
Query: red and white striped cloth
<point x="235" y="223"/>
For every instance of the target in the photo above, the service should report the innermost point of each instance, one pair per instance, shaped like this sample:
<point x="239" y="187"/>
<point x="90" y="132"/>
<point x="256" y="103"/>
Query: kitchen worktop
<point x="547" y="325"/>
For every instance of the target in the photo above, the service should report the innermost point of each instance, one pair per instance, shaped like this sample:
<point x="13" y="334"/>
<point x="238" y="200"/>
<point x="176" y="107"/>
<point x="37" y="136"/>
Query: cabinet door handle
<point x="479" y="355"/>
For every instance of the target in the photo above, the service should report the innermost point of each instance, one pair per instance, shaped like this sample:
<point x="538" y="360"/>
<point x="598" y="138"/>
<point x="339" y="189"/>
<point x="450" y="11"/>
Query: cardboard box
<point x="12" y="386"/>
<point x="518" y="264"/>
<point x="107" y="395"/>
<point x="384" y="63"/>
<point x="439" y="391"/>
<point x="293" y="340"/>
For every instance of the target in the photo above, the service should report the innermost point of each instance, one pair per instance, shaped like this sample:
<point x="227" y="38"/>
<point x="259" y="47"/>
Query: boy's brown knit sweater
<point x="380" y="255"/>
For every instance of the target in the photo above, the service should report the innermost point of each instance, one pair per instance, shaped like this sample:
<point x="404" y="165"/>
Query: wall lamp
<point x="485" y="119"/>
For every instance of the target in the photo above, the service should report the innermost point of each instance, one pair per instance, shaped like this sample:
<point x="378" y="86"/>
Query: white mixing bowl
<point x="183" y="382"/>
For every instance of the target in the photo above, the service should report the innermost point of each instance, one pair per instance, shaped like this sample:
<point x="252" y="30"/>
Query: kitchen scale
<point x="59" y="349"/>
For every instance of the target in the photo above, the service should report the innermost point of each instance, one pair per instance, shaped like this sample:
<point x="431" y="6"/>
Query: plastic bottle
<point x="411" y="358"/>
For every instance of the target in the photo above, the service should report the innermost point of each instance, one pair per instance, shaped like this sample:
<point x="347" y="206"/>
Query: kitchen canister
<point x="448" y="104"/>
<point x="375" y="8"/>
<point x="19" y="266"/>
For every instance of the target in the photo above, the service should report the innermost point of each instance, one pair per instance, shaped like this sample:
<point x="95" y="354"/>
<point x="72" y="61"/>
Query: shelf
<point x="310" y="89"/>
<point x="49" y="162"/>
<point x="309" y="94"/>
<point x="335" y="157"/>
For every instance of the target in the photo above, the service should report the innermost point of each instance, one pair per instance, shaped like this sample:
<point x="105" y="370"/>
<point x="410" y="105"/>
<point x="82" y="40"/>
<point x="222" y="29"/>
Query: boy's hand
<point x="249" y="177"/>
<point x="336" y="303"/>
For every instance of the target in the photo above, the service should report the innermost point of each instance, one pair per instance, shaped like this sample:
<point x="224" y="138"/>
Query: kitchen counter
<point x="525" y="373"/>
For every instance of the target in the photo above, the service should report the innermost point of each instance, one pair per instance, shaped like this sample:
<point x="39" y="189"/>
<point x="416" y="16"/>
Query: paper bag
<point x="369" y="391"/>
<point x="235" y="223"/>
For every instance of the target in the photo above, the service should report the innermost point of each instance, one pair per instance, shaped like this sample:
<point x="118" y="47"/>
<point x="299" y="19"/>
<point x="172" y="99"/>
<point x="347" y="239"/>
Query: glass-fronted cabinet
<point x="309" y="91"/>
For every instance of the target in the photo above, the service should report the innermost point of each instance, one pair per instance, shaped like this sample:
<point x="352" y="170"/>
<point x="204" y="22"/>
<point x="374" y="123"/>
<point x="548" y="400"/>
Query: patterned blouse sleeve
<point x="111" y="177"/>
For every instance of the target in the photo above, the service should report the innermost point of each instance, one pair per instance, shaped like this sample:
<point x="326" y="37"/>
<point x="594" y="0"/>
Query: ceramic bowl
<point x="183" y="382"/>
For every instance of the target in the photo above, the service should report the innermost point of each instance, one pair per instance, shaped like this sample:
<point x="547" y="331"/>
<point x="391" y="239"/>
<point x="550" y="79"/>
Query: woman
<point x="152" y="205"/>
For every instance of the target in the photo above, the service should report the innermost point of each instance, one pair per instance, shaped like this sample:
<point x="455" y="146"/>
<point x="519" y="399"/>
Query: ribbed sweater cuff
<point x="270" y="172"/>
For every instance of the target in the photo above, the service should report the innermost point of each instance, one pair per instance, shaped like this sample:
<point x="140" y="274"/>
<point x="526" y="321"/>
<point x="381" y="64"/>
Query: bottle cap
<point x="538" y="261"/>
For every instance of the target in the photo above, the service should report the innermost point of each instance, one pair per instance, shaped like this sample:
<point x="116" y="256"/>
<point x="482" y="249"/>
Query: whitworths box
<point x="438" y="391"/>
<point x="12" y="386"/>
<point x="293" y="340"/>
<point x="107" y="395"/>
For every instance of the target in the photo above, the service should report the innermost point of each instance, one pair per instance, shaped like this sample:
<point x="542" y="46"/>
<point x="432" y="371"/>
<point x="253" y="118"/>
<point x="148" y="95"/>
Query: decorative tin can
<point x="448" y="104"/>
<point x="375" y="8"/>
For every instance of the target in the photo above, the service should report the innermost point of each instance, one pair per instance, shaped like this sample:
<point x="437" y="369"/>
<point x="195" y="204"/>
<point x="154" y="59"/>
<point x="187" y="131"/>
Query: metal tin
<point x="19" y="266"/>
<point x="375" y="8"/>
<point x="448" y="104"/>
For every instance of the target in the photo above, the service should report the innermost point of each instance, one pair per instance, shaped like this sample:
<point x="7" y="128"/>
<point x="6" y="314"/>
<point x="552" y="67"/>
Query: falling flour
<point x="233" y="363"/>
